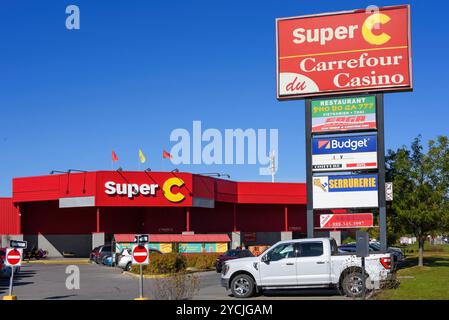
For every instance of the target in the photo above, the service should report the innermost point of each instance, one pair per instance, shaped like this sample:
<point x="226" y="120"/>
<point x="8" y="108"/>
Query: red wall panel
<point x="9" y="217"/>
<point x="48" y="218"/>
<point x="260" y="218"/>
<point x="218" y="219"/>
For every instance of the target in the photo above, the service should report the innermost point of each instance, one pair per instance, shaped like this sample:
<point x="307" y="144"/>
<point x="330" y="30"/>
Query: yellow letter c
<point x="368" y="25"/>
<point x="168" y="184"/>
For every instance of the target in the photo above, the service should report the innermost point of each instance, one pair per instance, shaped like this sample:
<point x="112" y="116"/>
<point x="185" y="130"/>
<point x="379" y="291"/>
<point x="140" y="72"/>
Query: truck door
<point x="313" y="263"/>
<point x="278" y="268"/>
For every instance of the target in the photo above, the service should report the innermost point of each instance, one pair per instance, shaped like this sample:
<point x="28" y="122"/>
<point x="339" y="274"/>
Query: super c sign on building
<point x="344" y="52"/>
<point x="149" y="189"/>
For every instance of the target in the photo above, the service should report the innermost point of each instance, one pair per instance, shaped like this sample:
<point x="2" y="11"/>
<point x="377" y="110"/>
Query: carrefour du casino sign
<point x="344" y="52"/>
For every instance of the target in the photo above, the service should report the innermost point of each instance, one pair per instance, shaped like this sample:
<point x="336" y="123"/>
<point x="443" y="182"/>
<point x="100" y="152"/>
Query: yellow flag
<point x="142" y="156"/>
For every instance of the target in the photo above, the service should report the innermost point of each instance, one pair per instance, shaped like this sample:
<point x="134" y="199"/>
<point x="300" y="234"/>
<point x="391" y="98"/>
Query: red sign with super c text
<point x="344" y="52"/>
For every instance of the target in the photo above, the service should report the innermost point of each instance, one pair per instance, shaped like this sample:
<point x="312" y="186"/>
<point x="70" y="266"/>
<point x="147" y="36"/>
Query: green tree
<point x="421" y="186"/>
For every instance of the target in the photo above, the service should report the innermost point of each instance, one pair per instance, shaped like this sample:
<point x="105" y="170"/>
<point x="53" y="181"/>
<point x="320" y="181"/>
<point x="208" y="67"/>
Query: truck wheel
<point x="352" y="284"/>
<point x="242" y="286"/>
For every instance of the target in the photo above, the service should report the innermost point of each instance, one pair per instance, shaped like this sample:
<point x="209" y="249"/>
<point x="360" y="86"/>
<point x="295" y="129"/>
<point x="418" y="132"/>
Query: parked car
<point x="396" y="253"/>
<point x="93" y="253"/>
<point x="100" y="253"/>
<point x="231" y="255"/>
<point x="125" y="258"/>
<point x="303" y="263"/>
<point x="107" y="261"/>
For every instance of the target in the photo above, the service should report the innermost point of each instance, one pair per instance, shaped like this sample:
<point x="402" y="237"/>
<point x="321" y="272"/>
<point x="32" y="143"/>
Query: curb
<point x="78" y="261"/>
<point x="159" y="276"/>
<point x="147" y="276"/>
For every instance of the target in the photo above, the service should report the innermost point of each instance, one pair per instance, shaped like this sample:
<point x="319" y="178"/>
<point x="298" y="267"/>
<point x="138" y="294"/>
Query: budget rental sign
<point x="344" y="52"/>
<point x="344" y="153"/>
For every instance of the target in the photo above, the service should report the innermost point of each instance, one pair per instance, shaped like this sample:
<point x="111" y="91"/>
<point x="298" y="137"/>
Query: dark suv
<point x="231" y="255"/>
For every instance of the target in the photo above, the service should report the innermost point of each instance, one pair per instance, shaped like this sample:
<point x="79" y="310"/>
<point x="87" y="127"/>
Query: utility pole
<point x="272" y="164"/>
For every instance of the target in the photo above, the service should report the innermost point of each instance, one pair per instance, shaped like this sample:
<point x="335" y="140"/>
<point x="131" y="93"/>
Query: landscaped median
<point x="171" y="263"/>
<point x="422" y="283"/>
<point x="173" y="274"/>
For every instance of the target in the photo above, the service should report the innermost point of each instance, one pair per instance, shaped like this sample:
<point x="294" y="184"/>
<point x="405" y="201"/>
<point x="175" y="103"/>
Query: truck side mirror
<point x="265" y="258"/>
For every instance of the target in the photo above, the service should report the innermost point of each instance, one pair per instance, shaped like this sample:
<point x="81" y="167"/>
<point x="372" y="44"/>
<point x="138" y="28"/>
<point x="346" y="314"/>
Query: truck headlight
<point x="225" y="269"/>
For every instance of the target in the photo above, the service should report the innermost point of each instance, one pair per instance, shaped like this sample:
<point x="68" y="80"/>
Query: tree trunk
<point x="421" y="251"/>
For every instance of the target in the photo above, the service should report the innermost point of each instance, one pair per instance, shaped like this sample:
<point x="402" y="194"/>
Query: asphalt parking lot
<point x="48" y="282"/>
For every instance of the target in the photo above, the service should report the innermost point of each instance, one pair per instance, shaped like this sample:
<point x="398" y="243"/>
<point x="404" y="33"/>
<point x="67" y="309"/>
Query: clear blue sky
<point x="139" y="69"/>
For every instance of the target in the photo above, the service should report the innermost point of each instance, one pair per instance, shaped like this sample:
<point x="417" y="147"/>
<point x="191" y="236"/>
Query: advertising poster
<point x="345" y="191"/>
<point x="346" y="221"/>
<point x="342" y="52"/>
<point x="344" y="153"/>
<point x="191" y="247"/>
<point x="344" y="114"/>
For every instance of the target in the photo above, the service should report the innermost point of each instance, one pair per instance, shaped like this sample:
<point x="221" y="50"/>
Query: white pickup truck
<point x="303" y="263"/>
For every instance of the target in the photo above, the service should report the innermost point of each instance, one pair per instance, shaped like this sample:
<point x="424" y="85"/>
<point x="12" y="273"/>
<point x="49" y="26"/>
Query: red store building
<point x="74" y="212"/>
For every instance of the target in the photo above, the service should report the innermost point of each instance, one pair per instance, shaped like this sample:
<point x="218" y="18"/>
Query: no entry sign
<point x="140" y="254"/>
<point x="13" y="257"/>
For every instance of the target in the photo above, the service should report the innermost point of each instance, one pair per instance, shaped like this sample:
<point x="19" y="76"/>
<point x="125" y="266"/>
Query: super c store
<point x="74" y="212"/>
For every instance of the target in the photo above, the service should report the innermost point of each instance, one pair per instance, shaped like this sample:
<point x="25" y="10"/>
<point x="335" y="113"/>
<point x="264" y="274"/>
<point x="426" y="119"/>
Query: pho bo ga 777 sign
<point x="344" y="153"/>
<point x="344" y="114"/>
<point x="344" y="52"/>
<point x="345" y="191"/>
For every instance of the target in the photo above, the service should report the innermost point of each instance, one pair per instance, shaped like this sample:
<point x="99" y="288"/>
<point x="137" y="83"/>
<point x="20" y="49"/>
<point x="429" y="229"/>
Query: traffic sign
<point x="13" y="257"/>
<point x="142" y="238"/>
<point x="140" y="255"/>
<point x="18" y="244"/>
<point x="389" y="191"/>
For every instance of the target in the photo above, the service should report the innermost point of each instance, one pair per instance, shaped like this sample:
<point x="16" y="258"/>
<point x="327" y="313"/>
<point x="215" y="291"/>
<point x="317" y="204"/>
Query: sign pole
<point x="309" y="175"/>
<point x="141" y="256"/>
<point x="141" y="282"/>
<point x="11" y="281"/>
<point x="363" y="279"/>
<point x="381" y="166"/>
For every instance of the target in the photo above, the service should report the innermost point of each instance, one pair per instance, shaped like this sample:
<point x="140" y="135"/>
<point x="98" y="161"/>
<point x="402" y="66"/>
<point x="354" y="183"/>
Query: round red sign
<point x="13" y="257"/>
<point x="140" y="254"/>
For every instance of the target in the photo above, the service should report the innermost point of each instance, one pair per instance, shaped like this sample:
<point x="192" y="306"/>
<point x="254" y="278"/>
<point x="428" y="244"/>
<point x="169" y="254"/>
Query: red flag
<point x="114" y="156"/>
<point x="166" y="155"/>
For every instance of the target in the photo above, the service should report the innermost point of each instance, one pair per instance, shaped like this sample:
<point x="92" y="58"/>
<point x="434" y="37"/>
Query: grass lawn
<point x="428" y="282"/>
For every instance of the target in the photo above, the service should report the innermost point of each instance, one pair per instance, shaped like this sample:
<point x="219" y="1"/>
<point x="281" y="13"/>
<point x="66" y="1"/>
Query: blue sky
<point x="136" y="70"/>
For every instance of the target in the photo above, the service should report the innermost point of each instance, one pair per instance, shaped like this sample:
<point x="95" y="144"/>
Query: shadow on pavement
<point x="299" y="293"/>
<point x="18" y="280"/>
<point x="60" y="297"/>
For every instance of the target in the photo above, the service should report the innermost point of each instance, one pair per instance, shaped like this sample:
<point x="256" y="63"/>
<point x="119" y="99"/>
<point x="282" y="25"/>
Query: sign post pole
<point x="309" y="177"/>
<point x="363" y="278"/>
<point x="11" y="282"/>
<point x="381" y="168"/>
<point x="141" y="283"/>
<point x="141" y="256"/>
<point x="13" y="259"/>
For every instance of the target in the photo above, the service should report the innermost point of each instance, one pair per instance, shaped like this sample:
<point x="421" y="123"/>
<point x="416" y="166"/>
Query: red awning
<point x="176" y="238"/>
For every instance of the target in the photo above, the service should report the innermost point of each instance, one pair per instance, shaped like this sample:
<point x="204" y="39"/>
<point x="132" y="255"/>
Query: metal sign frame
<point x="381" y="168"/>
